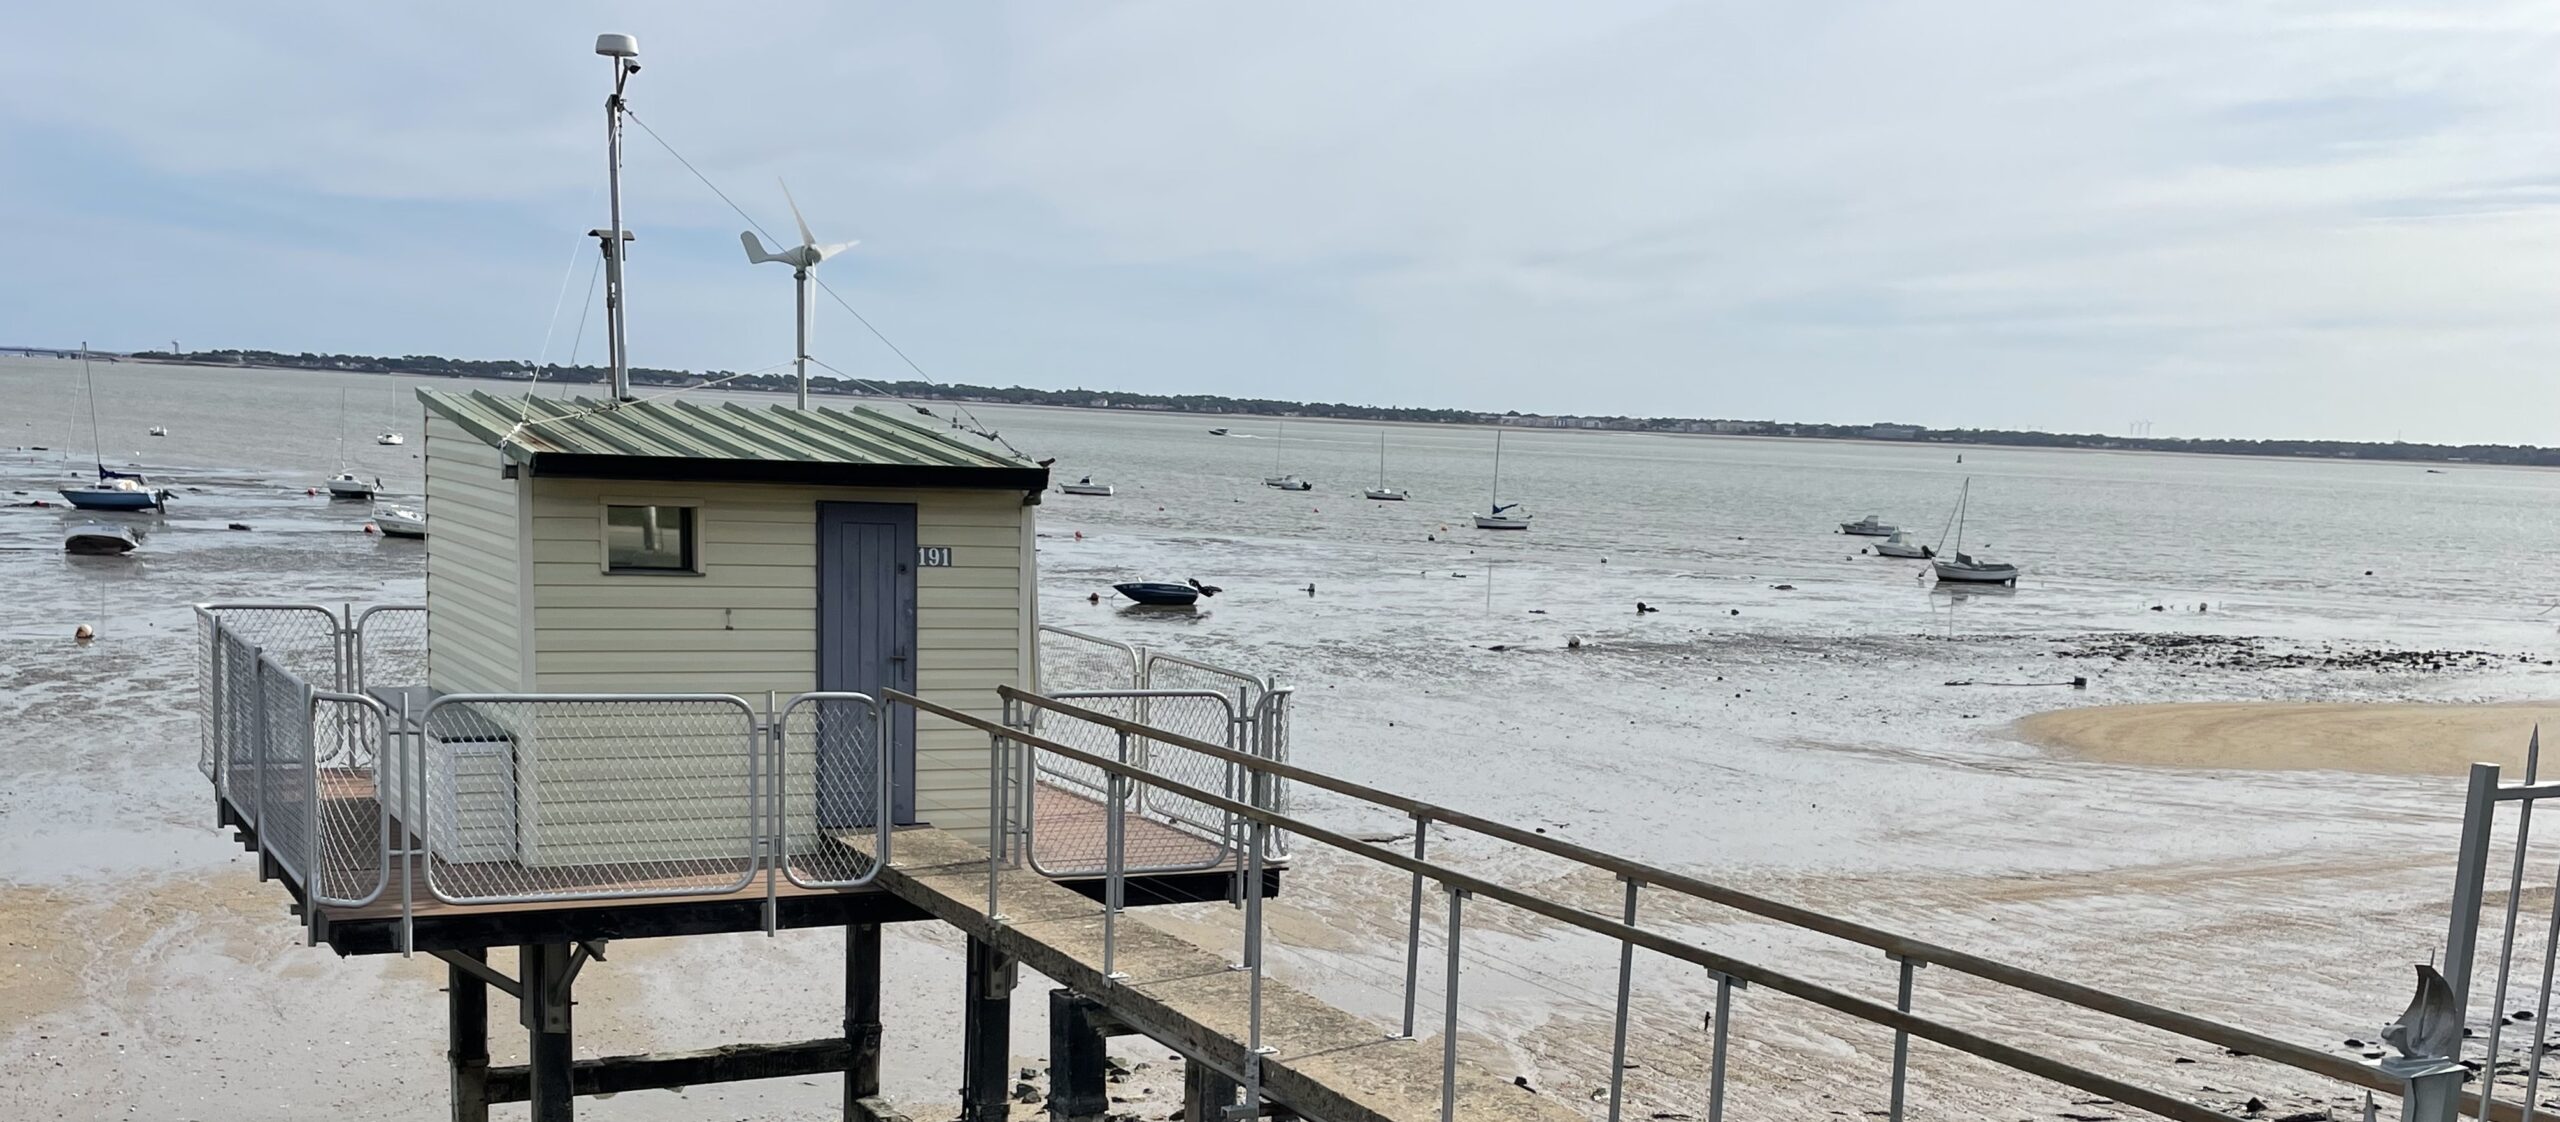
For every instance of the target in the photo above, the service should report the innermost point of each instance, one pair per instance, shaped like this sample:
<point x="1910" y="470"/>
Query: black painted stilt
<point x="544" y="972"/>
<point x="986" y="1035"/>
<point x="861" y="1018"/>
<point x="1077" y="1060"/>
<point x="467" y="1047"/>
<point x="1206" y="1094"/>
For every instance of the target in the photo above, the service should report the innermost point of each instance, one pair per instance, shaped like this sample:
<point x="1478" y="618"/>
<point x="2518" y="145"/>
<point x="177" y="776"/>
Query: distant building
<point x="1894" y="432"/>
<point x="1735" y="427"/>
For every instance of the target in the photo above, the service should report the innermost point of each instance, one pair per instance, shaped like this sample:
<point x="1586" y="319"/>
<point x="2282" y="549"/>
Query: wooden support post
<point x="467" y="1047"/>
<point x="543" y="972"/>
<point x="1206" y="1094"/>
<point x="1078" y="1090"/>
<point x="986" y="1036"/>
<point x="861" y="1018"/>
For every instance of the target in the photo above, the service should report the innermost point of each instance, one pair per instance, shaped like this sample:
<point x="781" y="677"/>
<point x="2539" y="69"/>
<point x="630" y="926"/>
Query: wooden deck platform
<point x="1327" y="1063"/>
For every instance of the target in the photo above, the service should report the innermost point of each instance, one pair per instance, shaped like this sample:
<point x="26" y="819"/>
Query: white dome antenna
<point x="614" y="44"/>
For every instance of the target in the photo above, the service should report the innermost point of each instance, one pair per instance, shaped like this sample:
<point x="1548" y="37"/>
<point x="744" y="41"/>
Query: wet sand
<point x="2363" y="737"/>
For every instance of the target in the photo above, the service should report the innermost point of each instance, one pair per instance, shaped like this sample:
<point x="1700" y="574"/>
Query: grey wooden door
<point x="867" y="643"/>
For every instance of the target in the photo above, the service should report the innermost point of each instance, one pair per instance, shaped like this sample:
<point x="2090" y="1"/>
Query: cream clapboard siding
<point x="746" y="625"/>
<point x="475" y="635"/>
<point x="474" y="599"/>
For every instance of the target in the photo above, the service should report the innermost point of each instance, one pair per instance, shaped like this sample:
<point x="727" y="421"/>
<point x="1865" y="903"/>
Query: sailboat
<point x="1283" y="481"/>
<point x="1382" y="492"/>
<point x="116" y="490"/>
<point x="347" y="484"/>
<point x="1965" y="568"/>
<point x="1496" y="519"/>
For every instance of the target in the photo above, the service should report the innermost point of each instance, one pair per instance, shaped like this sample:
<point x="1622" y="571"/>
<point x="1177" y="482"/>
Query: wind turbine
<point x="803" y="258"/>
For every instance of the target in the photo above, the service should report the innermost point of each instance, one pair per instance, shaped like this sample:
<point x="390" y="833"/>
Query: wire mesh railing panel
<point x="303" y="638"/>
<point x="208" y="690"/>
<point x="1271" y="742"/>
<point x="390" y="647"/>
<point x="284" y="771"/>
<point x="831" y="789"/>
<point x="352" y="865"/>
<point x="552" y="797"/>
<point x="241" y="705"/>
<point x="1173" y="672"/>
<point x="1073" y="660"/>
<point x="1070" y="800"/>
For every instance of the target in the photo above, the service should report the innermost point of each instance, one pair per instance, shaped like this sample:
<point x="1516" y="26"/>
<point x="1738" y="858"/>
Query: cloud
<point x="2286" y="219"/>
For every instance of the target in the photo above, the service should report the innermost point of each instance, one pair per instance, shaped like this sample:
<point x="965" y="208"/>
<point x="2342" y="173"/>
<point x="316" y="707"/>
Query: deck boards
<point x="1328" y="1063"/>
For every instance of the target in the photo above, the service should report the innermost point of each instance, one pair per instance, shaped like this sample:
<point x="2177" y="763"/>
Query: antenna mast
<point x="624" y="50"/>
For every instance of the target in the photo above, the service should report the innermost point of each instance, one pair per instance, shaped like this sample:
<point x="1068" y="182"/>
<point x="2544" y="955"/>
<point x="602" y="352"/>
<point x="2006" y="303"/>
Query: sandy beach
<point x="2370" y="738"/>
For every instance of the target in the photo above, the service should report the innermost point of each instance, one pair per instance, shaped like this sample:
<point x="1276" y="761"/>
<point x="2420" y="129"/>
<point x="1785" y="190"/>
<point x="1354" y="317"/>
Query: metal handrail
<point x="1898" y="946"/>
<point x="1465" y="884"/>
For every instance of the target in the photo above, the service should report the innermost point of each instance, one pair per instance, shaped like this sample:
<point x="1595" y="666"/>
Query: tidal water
<point x="1786" y="721"/>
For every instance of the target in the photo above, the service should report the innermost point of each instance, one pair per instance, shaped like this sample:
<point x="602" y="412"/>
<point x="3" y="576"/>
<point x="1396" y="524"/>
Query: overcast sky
<point x="2222" y="218"/>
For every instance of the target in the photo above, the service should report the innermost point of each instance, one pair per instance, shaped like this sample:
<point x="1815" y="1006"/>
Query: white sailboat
<point x="1382" y="492"/>
<point x="1497" y="519"/>
<point x="1280" y="479"/>
<point x="347" y="484"/>
<point x="1085" y="486"/>
<point x="1965" y="568"/>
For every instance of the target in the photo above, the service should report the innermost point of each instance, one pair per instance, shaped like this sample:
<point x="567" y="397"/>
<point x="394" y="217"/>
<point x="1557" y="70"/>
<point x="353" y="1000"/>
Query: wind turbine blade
<point x="827" y="251"/>
<point x="806" y="238"/>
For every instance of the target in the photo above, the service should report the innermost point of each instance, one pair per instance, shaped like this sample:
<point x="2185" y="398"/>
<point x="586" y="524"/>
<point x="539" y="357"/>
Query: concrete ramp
<point x="1326" y="1063"/>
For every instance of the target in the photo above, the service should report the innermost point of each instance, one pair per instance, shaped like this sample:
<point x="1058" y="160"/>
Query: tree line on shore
<point x="1220" y="405"/>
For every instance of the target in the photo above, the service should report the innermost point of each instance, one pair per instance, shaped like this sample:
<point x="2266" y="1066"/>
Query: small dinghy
<point x="347" y="485"/>
<point x="1217" y="432"/>
<point x="98" y="539"/>
<point x="1085" y="486"/>
<point x="399" y="522"/>
<point x="159" y="430"/>
<point x="1159" y="593"/>
<point x="1288" y="483"/>
<point x="392" y="439"/>
<point x="1868" y="527"/>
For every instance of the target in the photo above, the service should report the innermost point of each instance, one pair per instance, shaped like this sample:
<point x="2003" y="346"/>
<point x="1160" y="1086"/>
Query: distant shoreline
<point x="511" y="372"/>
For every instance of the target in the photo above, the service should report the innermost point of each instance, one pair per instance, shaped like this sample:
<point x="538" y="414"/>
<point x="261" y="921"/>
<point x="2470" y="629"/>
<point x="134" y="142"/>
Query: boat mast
<point x="1497" y="471"/>
<point x="88" y="381"/>
<point x="1963" y="499"/>
<point x="625" y="53"/>
<point x="1382" y="459"/>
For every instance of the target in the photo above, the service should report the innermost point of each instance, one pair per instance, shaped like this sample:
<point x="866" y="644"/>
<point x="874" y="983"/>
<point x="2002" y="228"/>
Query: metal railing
<point x="2506" y="1065"/>
<point x="1011" y="747"/>
<point x="387" y="647"/>
<point x="513" y="798"/>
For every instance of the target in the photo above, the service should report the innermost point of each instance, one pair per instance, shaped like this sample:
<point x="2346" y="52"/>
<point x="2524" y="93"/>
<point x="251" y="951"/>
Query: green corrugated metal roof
<point x="534" y="429"/>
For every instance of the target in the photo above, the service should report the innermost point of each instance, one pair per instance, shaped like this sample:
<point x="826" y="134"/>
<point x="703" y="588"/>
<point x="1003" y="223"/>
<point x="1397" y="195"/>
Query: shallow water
<point x="1803" y="741"/>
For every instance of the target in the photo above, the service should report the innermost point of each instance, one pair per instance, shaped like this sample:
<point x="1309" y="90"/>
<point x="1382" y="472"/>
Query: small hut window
<point x="649" y="539"/>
